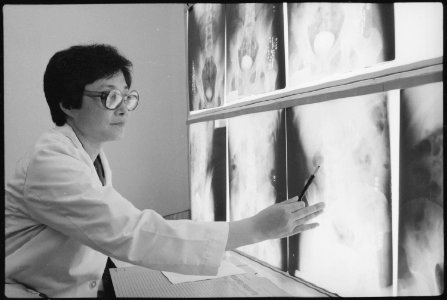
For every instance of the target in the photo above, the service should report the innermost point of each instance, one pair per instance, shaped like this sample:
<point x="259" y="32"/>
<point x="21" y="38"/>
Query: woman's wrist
<point x="243" y="232"/>
<point x="257" y="233"/>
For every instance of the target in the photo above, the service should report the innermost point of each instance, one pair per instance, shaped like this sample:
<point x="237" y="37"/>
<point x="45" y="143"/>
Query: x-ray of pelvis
<point x="257" y="180"/>
<point x="350" y="252"/>
<point x="206" y="55"/>
<point x="255" y="51"/>
<point x="200" y="149"/>
<point x="207" y="160"/>
<point x="328" y="38"/>
<point x="421" y="226"/>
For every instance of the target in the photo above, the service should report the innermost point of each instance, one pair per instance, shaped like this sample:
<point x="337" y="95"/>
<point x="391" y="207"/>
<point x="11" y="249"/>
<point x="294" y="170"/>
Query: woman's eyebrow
<point x="112" y="86"/>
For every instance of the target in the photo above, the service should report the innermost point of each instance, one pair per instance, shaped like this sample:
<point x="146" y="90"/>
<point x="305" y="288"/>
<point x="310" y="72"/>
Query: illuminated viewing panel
<point x="356" y="101"/>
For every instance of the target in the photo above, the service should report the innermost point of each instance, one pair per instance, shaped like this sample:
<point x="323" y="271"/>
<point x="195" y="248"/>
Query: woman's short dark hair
<point x="70" y="70"/>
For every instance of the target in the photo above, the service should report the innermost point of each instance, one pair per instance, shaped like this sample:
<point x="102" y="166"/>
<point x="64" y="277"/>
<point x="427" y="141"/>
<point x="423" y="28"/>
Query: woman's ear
<point x="68" y="111"/>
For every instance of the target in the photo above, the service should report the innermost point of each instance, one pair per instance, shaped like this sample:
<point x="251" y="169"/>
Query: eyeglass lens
<point x="115" y="97"/>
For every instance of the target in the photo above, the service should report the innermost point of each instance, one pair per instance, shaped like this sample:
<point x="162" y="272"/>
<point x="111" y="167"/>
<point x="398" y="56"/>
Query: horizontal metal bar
<point x="373" y="80"/>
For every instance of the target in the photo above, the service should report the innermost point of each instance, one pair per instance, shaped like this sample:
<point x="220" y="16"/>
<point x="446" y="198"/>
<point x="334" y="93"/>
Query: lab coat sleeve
<point x="63" y="193"/>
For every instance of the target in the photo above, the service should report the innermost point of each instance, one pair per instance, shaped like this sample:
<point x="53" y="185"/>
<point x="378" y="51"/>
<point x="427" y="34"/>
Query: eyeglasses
<point x="113" y="99"/>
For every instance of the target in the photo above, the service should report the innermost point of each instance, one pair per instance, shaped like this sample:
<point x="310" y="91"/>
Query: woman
<point x="63" y="217"/>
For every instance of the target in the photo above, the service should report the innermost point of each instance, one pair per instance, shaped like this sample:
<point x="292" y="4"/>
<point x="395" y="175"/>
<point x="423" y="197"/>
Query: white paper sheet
<point x="226" y="269"/>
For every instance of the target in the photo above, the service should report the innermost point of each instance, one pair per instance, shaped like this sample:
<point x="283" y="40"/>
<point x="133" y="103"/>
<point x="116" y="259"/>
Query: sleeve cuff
<point x="215" y="249"/>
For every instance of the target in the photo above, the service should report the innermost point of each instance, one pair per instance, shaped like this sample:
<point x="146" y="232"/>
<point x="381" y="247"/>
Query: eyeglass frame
<point x="105" y="94"/>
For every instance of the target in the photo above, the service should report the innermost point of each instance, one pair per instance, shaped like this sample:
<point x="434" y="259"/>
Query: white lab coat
<point x="61" y="223"/>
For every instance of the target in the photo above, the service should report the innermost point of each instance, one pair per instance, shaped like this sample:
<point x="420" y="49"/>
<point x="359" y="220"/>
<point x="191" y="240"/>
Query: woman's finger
<point x="293" y="206"/>
<point x="308" y="217"/>
<point x="308" y="210"/>
<point x="304" y="227"/>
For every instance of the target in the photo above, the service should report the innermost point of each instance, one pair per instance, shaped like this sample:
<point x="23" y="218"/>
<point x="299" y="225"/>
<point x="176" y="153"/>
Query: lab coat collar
<point x="68" y="131"/>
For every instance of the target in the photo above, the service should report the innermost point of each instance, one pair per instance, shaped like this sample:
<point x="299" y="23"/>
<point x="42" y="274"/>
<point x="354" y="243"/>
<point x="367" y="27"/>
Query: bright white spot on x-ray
<point x="349" y="253"/>
<point x="421" y="256"/>
<point x="329" y="38"/>
<point x="200" y="151"/>
<point x="252" y="171"/>
<point x="252" y="63"/>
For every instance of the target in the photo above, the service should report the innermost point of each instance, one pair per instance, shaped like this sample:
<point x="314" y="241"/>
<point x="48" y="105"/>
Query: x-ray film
<point x="255" y="49"/>
<point x="421" y="218"/>
<point x="207" y="159"/>
<point x="257" y="174"/>
<point x="350" y="252"/>
<point x="329" y="38"/>
<point x="206" y="55"/>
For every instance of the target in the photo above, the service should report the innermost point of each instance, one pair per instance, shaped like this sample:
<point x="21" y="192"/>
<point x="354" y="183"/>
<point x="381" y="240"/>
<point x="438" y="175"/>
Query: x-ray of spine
<point x="330" y="38"/>
<point x="207" y="159"/>
<point x="206" y="51"/>
<point x="257" y="174"/>
<point x="350" y="252"/>
<point x="255" y="49"/>
<point x="421" y="218"/>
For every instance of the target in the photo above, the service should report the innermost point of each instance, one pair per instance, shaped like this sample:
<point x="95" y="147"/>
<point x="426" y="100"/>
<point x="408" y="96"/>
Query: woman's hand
<point x="286" y="218"/>
<point x="276" y="221"/>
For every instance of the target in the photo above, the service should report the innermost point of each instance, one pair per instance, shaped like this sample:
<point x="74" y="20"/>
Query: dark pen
<point x="308" y="183"/>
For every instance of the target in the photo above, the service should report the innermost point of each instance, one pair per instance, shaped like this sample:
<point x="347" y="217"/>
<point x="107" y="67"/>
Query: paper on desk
<point x="226" y="269"/>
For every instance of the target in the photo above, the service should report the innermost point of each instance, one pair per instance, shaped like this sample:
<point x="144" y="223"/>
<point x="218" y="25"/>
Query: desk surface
<point x="290" y="285"/>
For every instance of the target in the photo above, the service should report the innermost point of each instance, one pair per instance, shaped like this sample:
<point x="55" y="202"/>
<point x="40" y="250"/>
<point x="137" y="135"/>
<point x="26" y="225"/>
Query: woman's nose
<point x="122" y="109"/>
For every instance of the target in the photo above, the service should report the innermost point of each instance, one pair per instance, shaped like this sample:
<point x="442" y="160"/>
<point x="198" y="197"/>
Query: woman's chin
<point x="117" y="134"/>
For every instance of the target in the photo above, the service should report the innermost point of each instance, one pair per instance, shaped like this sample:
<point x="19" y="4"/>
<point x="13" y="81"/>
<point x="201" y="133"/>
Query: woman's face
<point x="93" y="121"/>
